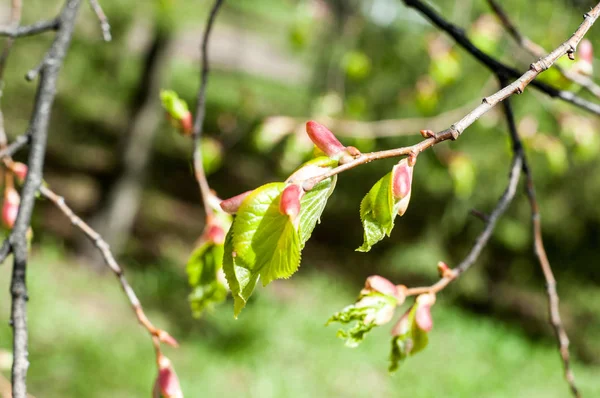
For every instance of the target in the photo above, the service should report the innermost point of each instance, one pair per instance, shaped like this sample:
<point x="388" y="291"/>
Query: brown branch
<point x="516" y="87"/>
<point x="110" y="261"/>
<point x="483" y="238"/>
<point x="104" y="25"/>
<point x="540" y="252"/>
<point x="538" y="51"/>
<point x="498" y="68"/>
<point x="373" y="129"/>
<point x="201" y="113"/>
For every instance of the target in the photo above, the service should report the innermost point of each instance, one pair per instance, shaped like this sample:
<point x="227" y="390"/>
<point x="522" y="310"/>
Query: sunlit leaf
<point x="202" y="269"/>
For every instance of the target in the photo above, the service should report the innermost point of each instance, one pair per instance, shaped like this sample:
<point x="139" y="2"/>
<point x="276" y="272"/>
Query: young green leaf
<point x="262" y="242"/>
<point x="311" y="207"/>
<point x="389" y="197"/>
<point x="410" y="333"/>
<point x="202" y="269"/>
<point x="375" y="306"/>
<point x="377" y="213"/>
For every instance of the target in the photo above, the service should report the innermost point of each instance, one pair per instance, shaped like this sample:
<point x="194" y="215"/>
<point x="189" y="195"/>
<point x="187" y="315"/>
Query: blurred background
<point x="276" y="64"/>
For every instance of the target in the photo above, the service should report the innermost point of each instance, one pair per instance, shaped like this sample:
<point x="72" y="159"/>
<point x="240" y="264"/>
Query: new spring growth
<point x="401" y="184"/>
<point x="177" y="111"/>
<point x="585" y="62"/>
<point x="167" y="383"/>
<point x="289" y="203"/>
<point x="423" y="317"/>
<point x="324" y="139"/>
<point x="10" y="208"/>
<point x="20" y="170"/>
<point x="232" y="205"/>
<point x="215" y="234"/>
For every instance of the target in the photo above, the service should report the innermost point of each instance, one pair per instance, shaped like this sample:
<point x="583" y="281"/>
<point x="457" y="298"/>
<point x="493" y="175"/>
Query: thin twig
<point x="18" y="238"/>
<point x="30" y="30"/>
<point x="201" y="112"/>
<point x="15" y="21"/>
<point x="373" y="129"/>
<point x="540" y="252"/>
<point x="104" y="25"/>
<point x="498" y="68"/>
<point x="538" y="51"/>
<point x="110" y="261"/>
<point x="483" y="238"/>
<point x="516" y="87"/>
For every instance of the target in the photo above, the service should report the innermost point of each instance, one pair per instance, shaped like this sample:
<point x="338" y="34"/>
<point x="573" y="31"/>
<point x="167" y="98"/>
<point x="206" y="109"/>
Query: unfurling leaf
<point x="324" y="139"/>
<point x="167" y="383"/>
<point x="272" y="225"/>
<point x="203" y="269"/>
<point x="388" y="197"/>
<point x="177" y="111"/>
<point x="410" y="332"/>
<point x="262" y="243"/>
<point x="375" y="306"/>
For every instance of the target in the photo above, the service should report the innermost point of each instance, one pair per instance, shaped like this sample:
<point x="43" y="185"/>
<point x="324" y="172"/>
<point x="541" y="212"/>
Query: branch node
<point x="454" y="132"/>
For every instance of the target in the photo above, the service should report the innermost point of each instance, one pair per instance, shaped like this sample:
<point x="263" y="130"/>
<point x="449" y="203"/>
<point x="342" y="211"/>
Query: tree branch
<point x="483" y="238"/>
<point x="18" y="238"/>
<point x="30" y="30"/>
<point x="538" y="51"/>
<point x="498" y="68"/>
<point x="516" y="87"/>
<point x="540" y="252"/>
<point x="201" y="112"/>
<point x="110" y="261"/>
<point x="104" y="25"/>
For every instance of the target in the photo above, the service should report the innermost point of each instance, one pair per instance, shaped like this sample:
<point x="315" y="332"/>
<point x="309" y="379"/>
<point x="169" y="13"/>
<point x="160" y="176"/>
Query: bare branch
<point x="201" y="112"/>
<point x="500" y="69"/>
<point x="540" y="252"/>
<point x="30" y="30"/>
<point x="18" y="238"/>
<point x="104" y="25"/>
<point x="110" y="261"/>
<point x="516" y="87"/>
<point x="483" y="238"/>
<point x="538" y="51"/>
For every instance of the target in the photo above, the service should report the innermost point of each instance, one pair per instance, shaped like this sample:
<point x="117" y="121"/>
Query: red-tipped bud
<point x="166" y="338"/>
<point x="186" y="124"/>
<point x="584" y="64"/>
<point x="423" y="317"/>
<point x="215" y="234"/>
<point x="232" y="205"/>
<point x="401" y="185"/>
<point x="443" y="269"/>
<point x="324" y="139"/>
<point x="20" y="170"/>
<point x="10" y="208"/>
<point x="384" y="286"/>
<point x="167" y="384"/>
<point x="290" y="201"/>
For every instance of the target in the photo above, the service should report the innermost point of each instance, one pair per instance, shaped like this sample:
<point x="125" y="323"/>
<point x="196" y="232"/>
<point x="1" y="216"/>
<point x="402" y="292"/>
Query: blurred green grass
<point x="85" y="342"/>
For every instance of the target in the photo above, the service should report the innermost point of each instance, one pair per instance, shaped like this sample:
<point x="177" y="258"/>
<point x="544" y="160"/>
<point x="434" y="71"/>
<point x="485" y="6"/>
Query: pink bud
<point x="186" y="124"/>
<point x="403" y="325"/>
<point x="584" y="65"/>
<point x="20" y="170"/>
<point x="401" y="185"/>
<point x="290" y="201"/>
<point x="10" y="208"/>
<point x="215" y="234"/>
<point x="324" y="139"/>
<point x="232" y="205"/>
<point x="167" y="384"/>
<point x="166" y="338"/>
<point x="382" y="285"/>
<point x="423" y="317"/>
<point x="443" y="268"/>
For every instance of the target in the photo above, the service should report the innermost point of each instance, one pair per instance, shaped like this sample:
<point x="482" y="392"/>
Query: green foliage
<point x="410" y="339"/>
<point x="175" y="106"/>
<point x="377" y="212"/>
<point x="212" y="154"/>
<point x="202" y="269"/>
<point x="371" y="309"/>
